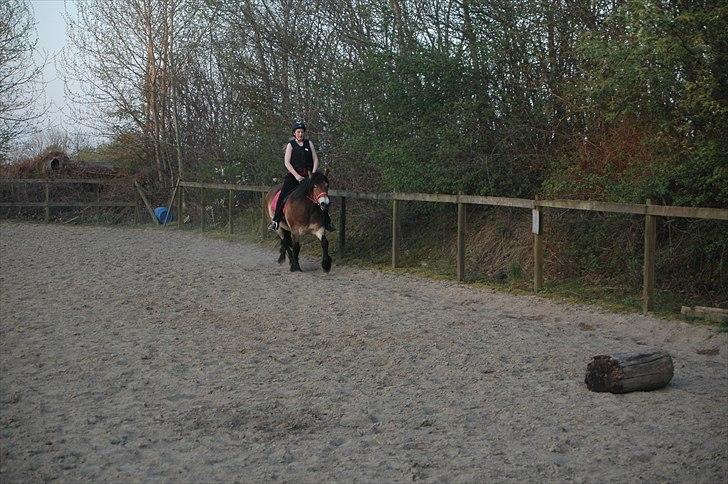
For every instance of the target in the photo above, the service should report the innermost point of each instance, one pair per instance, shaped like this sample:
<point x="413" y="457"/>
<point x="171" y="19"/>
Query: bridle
<point x="315" y="199"/>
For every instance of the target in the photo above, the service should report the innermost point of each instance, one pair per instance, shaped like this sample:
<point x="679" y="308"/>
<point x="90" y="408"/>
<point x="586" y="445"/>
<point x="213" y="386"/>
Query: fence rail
<point x="48" y="203"/>
<point x="67" y="204"/>
<point x="594" y="206"/>
<point x="59" y="181"/>
<point x="648" y="210"/>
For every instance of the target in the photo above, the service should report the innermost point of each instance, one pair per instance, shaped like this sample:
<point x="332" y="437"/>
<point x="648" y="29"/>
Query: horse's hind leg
<point x="326" y="259"/>
<point x="295" y="266"/>
<point x="282" y="256"/>
<point x="286" y="244"/>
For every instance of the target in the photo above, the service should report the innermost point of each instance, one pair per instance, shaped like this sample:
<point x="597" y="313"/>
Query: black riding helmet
<point x="298" y="125"/>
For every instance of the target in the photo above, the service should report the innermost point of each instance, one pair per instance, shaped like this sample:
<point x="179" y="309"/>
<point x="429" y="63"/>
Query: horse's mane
<point x="305" y="187"/>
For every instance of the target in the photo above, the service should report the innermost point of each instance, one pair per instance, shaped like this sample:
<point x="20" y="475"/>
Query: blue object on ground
<point x="161" y="213"/>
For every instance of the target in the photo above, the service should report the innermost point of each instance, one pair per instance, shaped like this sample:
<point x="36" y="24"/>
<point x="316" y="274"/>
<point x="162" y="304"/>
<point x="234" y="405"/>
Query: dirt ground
<point x="159" y="355"/>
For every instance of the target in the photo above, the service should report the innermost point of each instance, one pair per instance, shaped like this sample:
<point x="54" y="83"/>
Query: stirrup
<point x="273" y="226"/>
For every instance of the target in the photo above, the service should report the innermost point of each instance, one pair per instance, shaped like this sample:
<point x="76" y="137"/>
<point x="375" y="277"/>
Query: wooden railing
<point x="648" y="210"/>
<point x="48" y="203"/>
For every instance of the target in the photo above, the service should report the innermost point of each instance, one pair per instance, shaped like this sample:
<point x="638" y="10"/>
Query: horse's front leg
<point x="325" y="258"/>
<point x="295" y="266"/>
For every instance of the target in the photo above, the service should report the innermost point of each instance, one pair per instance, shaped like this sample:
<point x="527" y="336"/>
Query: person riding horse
<point x="300" y="160"/>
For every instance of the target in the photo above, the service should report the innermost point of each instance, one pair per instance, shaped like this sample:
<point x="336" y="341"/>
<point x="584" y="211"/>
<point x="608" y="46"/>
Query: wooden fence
<point x="536" y="207"/>
<point x="649" y="211"/>
<point x="48" y="203"/>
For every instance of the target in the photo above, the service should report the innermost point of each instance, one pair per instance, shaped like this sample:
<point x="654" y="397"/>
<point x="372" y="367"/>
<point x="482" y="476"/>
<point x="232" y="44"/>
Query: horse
<point x="303" y="214"/>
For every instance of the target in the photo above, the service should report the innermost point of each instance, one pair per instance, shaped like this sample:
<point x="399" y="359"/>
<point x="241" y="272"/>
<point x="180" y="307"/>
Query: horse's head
<point x="319" y="190"/>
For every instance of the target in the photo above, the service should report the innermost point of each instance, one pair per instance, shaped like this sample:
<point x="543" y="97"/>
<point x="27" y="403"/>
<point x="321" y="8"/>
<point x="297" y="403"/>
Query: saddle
<point x="274" y="201"/>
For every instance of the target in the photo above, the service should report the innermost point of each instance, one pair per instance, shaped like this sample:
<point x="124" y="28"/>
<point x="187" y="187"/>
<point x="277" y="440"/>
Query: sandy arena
<point x="159" y="355"/>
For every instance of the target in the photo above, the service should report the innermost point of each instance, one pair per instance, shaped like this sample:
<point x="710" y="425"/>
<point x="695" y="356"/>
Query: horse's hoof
<point x="296" y="269"/>
<point x="282" y="259"/>
<point x="326" y="265"/>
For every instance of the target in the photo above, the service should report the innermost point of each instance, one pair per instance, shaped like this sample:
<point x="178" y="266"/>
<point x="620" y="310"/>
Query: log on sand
<point x="718" y="315"/>
<point x="629" y="372"/>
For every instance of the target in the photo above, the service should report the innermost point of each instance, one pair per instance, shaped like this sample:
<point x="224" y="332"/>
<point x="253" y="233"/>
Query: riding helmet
<point x="298" y="125"/>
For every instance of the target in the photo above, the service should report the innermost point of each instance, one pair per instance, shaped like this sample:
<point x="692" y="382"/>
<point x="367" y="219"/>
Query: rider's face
<point x="299" y="134"/>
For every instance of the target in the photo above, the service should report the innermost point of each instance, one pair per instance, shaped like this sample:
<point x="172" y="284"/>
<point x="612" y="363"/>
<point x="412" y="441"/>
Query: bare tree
<point x="126" y="56"/>
<point x="20" y="76"/>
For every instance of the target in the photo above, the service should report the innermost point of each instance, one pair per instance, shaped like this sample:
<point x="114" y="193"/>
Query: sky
<point x="51" y="30"/>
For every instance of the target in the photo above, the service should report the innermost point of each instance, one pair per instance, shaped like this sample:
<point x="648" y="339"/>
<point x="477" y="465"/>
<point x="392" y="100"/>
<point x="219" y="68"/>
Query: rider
<point x="300" y="160"/>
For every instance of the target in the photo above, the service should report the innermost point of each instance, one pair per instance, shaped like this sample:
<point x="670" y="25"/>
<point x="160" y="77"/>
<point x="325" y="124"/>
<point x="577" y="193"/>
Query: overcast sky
<point x="51" y="29"/>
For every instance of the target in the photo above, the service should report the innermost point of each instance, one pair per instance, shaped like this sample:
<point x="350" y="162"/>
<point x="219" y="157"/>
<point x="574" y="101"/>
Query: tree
<point x="127" y="57"/>
<point x="20" y="76"/>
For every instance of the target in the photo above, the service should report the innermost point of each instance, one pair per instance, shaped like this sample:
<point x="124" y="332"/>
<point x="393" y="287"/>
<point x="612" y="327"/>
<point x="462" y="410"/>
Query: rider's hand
<point x="299" y="178"/>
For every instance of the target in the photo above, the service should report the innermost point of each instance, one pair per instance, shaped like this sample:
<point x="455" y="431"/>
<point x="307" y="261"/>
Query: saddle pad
<point x="274" y="201"/>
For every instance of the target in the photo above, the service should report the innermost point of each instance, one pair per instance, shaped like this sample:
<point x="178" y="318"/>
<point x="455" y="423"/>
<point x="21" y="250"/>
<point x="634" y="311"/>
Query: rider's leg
<point x="289" y="184"/>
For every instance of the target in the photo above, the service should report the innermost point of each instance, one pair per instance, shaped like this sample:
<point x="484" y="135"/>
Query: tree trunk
<point x="150" y="87"/>
<point x="399" y="24"/>
<point x="470" y="38"/>
<point x="629" y="372"/>
<point x="174" y="82"/>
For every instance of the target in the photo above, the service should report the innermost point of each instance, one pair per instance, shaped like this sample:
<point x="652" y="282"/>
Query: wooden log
<point x="717" y="315"/>
<point x="629" y="372"/>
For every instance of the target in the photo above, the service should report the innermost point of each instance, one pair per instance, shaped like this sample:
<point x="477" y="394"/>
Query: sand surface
<point x="153" y="355"/>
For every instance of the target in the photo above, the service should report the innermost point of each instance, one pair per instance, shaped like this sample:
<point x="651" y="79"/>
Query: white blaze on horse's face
<point x="323" y="201"/>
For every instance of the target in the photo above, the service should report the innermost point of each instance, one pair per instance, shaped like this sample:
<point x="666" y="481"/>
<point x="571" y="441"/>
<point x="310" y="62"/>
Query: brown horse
<point x="303" y="214"/>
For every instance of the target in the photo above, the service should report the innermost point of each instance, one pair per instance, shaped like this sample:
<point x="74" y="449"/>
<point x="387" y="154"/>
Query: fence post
<point x="171" y="202"/>
<point x="202" y="212"/>
<point x="230" y="212"/>
<point x="47" y="203"/>
<point x="136" y="208"/>
<point x="146" y="202"/>
<point x="342" y="226"/>
<point x="264" y="219"/>
<point x="180" y="204"/>
<point x="648" y="270"/>
<point x="461" y="243"/>
<point x="536" y="228"/>
<point x="395" y="232"/>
